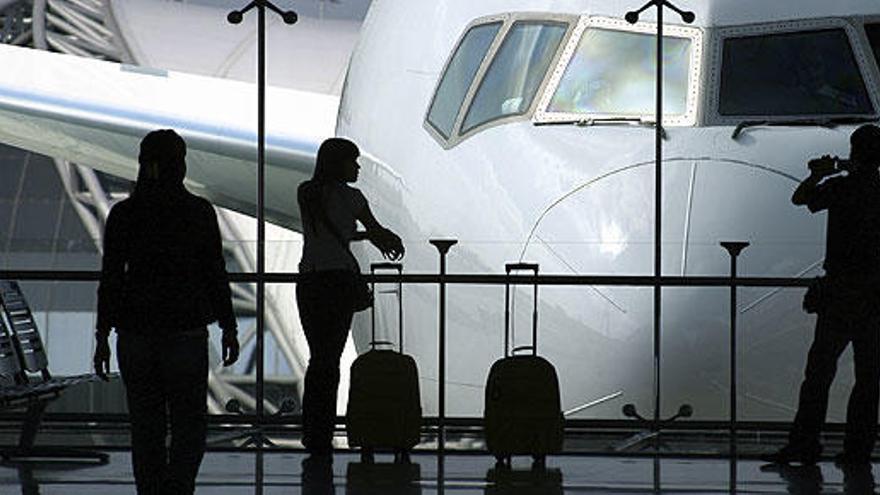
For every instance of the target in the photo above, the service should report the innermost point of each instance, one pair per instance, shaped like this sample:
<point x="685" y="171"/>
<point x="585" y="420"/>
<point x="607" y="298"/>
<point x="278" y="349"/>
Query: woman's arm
<point x="384" y="239"/>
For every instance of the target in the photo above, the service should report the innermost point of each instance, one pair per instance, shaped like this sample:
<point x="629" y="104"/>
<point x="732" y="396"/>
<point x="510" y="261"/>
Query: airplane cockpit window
<point x="794" y="74"/>
<point x="613" y="73"/>
<point x="459" y="75"/>
<point x="516" y="72"/>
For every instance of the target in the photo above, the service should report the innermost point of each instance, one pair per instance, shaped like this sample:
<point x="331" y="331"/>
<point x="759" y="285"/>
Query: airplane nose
<point x="606" y="228"/>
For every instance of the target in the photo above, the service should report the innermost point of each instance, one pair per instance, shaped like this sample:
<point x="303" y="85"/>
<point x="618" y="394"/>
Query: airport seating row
<point x="26" y="381"/>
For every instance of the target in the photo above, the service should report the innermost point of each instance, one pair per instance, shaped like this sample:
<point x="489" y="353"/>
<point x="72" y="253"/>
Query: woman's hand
<point x="388" y="243"/>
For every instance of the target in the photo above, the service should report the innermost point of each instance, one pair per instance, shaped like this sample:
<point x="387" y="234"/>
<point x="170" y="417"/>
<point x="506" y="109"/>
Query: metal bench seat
<point x="53" y="386"/>
<point x="22" y="351"/>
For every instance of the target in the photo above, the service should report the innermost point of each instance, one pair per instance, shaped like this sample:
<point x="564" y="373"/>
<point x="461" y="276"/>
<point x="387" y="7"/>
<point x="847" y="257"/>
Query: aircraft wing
<point x="95" y="113"/>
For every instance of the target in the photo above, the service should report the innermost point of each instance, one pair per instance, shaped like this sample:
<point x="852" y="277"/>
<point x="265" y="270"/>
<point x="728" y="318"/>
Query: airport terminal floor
<point x="688" y="462"/>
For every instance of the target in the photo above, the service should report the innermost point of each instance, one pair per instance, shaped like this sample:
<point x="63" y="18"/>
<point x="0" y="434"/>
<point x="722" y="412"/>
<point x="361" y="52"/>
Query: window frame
<point x="508" y="20"/>
<point x="695" y="34"/>
<point x="426" y="122"/>
<point x="857" y="40"/>
<point x="567" y="21"/>
<point x="873" y="62"/>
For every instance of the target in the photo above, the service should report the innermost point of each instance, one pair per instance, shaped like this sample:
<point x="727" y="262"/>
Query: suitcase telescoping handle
<point x="398" y="267"/>
<point x="508" y="337"/>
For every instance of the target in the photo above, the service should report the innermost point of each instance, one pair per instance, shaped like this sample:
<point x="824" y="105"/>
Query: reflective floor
<point x="282" y="473"/>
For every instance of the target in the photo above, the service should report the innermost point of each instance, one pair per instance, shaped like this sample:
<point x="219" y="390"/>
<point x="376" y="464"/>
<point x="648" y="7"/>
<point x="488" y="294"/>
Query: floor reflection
<point x="506" y="481"/>
<point x="391" y="478"/>
<point x="858" y="479"/>
<point x="29" y="473"/>
<point x="285" y="473"/>
<point x="801" y="480"/>
<point x="317" y="477"/>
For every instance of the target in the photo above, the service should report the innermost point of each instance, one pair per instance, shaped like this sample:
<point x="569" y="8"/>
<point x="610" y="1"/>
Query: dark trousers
<point x="165" y="377"/>
<point x="324" y="300"/>
<point x="833" y="334"/>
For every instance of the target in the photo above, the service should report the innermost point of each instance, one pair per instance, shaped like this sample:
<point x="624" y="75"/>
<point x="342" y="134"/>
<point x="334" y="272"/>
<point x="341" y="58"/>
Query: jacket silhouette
<point x="163" y="280"/>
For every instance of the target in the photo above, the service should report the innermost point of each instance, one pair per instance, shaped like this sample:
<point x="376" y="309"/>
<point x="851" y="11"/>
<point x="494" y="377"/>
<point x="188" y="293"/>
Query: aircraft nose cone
<point x="607" y="229"/>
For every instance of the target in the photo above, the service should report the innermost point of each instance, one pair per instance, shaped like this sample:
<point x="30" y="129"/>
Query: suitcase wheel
<point x="502" y="462"/>
<point x="367" y="456"/>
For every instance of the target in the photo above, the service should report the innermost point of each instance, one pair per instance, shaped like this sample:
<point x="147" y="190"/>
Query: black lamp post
<point x="633" y="17"/>
<point x="235" y="17"/>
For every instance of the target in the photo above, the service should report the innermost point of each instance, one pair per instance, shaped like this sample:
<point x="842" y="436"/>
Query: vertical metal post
<point x="507" y="317"/>
<point x="535" y="317"/>
<point x="259" y="478"/>
<point x="442" y="246"/>
<point x="235" y="17"/>
<point x="658" y="209"/>
<point x="261" y="191"/>
<point x="633" y="17"/>
<point x="734" y="248"/>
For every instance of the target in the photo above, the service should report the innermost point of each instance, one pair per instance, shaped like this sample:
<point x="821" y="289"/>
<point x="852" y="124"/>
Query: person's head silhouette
<point x="865" y="142"/>
<point x="337" y="161"/>
<point x="162" y="161"/>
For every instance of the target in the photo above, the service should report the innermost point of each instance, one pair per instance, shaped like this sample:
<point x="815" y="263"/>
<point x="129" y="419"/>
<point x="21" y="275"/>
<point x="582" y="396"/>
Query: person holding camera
<point x="327" y="291"/>
<point x="846" y="301"/>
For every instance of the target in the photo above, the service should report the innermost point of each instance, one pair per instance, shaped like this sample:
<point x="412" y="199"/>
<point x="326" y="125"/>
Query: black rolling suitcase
<point x="384" y="405"/>
<point x="522" y="414"/>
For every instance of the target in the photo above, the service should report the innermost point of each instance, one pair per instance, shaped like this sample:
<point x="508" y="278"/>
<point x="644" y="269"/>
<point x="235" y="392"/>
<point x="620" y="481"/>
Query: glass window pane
<point x="614" y="72"/>
<point x="35" y="222"/>
<point x="808" y="73"/>
<point x="516" y="72"/>
<point x="6" y="209"/>
<point x="72" y="235"/>
<point x="459" y="75"/>
<point x="11" y="178"/>
<point x="873" y="31"/>
<point x="41" y="180"/>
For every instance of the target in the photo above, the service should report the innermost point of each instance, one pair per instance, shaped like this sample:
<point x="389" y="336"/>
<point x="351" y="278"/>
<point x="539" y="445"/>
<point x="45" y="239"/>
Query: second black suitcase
<point x="384" y="403"/>
<point x="522" y="414"/>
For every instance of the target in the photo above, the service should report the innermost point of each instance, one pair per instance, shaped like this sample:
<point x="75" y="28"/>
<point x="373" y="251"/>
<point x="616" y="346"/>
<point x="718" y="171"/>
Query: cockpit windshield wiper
<point x="830" y="123"/>
<point x="591" y="121"/>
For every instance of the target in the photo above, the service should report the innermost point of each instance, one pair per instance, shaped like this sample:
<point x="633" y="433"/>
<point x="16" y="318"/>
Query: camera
<point x="831" y="164"/>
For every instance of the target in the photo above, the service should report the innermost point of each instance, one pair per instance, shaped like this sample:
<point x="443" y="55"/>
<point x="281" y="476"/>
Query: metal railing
<point x="441" y="279"/>
<point x="460" y="279"/>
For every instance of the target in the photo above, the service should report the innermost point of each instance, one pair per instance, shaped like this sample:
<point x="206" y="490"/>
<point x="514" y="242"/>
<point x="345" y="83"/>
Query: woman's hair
<point x="162" y="161"/>
<point x="329" y="167"/>
<point x="331" y="155"/>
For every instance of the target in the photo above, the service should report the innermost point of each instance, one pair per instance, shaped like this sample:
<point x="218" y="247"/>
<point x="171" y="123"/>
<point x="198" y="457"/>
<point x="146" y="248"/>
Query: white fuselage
<point x="493" y="191"/>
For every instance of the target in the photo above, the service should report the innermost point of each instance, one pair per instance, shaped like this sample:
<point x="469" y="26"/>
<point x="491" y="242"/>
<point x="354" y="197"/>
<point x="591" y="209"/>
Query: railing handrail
<point x="460" y="279"/>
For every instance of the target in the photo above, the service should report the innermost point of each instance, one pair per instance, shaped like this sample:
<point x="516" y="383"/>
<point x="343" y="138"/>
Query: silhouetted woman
<point x="329" y="208"/>
<point x="163" y="281"/>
